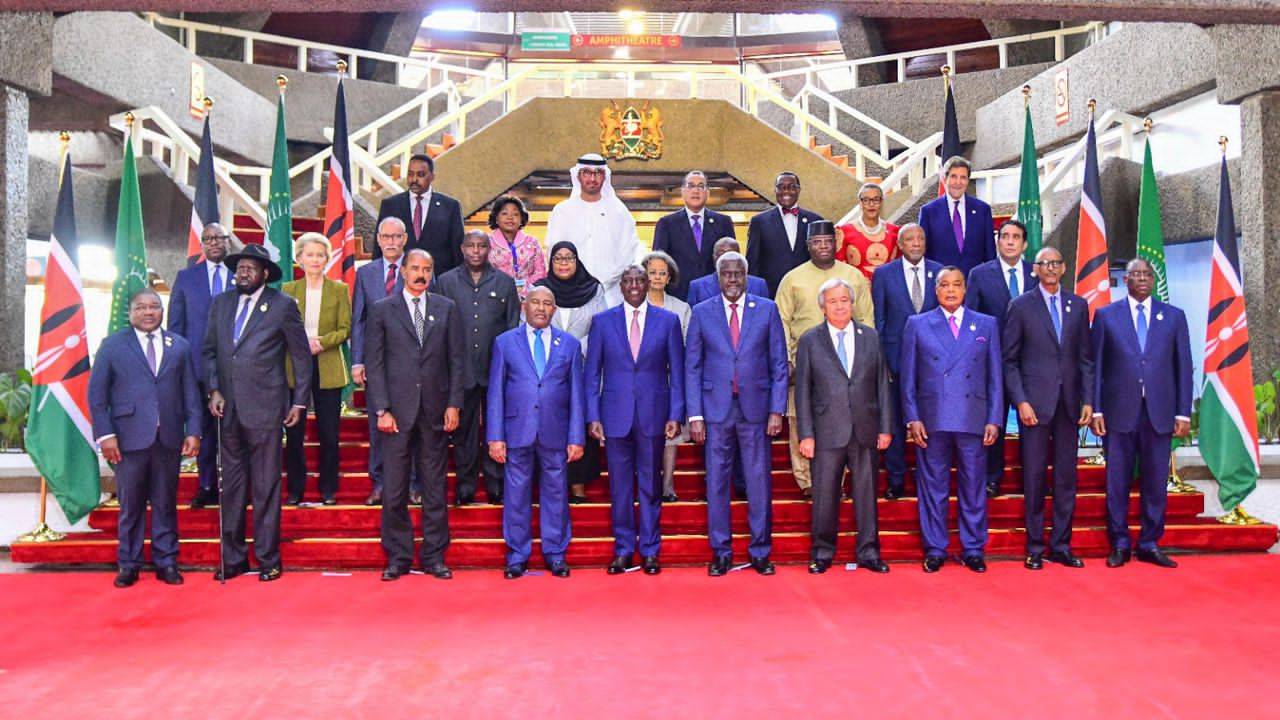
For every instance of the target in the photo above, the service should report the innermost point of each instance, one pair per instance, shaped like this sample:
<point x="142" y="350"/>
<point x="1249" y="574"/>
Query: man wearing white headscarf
<point x="597" y="223"/>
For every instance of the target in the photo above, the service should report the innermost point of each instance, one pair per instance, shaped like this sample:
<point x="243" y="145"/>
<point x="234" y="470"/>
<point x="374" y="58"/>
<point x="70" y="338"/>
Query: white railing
<point x="916" y="168"/>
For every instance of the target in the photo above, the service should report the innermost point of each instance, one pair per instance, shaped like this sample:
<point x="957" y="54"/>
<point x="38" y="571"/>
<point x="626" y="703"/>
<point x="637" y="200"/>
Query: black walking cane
<point x="222" y="563"/>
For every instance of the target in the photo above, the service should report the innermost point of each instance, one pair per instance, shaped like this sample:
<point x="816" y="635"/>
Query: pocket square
<point x="981" y="338"/>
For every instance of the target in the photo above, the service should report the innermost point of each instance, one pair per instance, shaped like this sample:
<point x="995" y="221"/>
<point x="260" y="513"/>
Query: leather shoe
<point x="463" y="501"/>
<point x="415" y="497"/>
<point x="330" y="500"/>
<point x="993" y="489"/>
<point x="394" y="573"/>
<point x="670" y="498"/>
<point x="875" y="565"/>
<point x="495" y="499"/>
<point x="293" y="500"/>
<point x="233" y="571"/>
<point x="511" y="572"/>
<point x="1034" y="561"/>
<point x="126" y="578"/>
<point x="269" y="574"/>
<point x="204" y="498"/>
<point x="719" y="566"/>
<point x="893" y="493"/>
<point x="650" y="565"/>
<point x="818" y="566"/>
<point x="439" y="570"/>
<point x="806" y="493"/>
<point x="375" y="498"/>
<point x="169" y="575"/>
<point x="1067" y="559"/>
<point x="620" y="564"/>
<point x="933" y="563"/>
<point x="577" y="499"/>
<point x="976" y="563"/>
<point x="1117" y="557"/>
<point x="1155" y="557"/>
<point x="763" y="565"/>
<point x="559" y="569"/>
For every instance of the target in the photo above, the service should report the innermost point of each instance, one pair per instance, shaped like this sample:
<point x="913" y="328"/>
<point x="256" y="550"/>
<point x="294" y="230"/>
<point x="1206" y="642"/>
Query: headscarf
<point x="577" y="290"/>
<point x="594" y="161"/>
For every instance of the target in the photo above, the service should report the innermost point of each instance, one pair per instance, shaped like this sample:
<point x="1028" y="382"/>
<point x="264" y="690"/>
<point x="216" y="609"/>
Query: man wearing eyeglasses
<point x="776" y="238"/>
<point x="193" y="291"/>
<point x="1048" y="377"/>
<point x="689" y="235"/>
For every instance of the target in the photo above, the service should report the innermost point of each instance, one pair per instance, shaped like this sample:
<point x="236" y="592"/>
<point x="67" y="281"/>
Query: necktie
<point x="917" y="289"/>
<point x="697" y="232"/>
<point x="391" y="278"/>
<point x="635" y="334"/>
<point x="791" y="211"/>
<point x="217" y="281"/>
<point x="734" y="327"/>
<point x="417" y="217"/>
<point x="1057" y="316"/>
<point x="1013" y="283"/>
<point x="419" y="322"/>
<point x="1142" y="328"/>
<point x="955" y="328"/>
<point x="539" y="353"/>
<point x="840" y="351"/>
<point x="241" y="317"/>
<point x="151" y="353"/>
<point x="957" y="226"/>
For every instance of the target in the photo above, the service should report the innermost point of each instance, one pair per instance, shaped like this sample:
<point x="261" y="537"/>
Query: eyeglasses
<point x="564" y="259"/>
<point x="871" y="200"/>
<point x="1050" y="263"/>
<point x="1141" y="273"/>
<point x="786" y="186"/>
<point x="390" y="236"/>
<point x="219" y="238"/>
<point x="699" y="186"/>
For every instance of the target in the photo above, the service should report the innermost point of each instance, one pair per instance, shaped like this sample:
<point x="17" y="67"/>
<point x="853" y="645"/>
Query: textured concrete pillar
<point x="860" y="38"/>
<point x="1257" y="204"/>
<point x="1024" y="53"/>
<point x="394" y="34"/>
<point x="13" y="222"/>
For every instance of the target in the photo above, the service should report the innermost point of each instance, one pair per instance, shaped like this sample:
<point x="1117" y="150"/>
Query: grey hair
<point x="476" y="234"/>
<point x="691" y="173"/>
<point x="673" y="272"/>
<point x="539" y="289"/>
<point x="394" y="219"/>
<point x="871" y="186"/>
<point x="731" y="256"/>
<point x="911" y="227"/>
<point x="956" y="161"/>
<point x="421" y="253"/>
<point x="832" y="284"/>
<point x="312" y="238"/>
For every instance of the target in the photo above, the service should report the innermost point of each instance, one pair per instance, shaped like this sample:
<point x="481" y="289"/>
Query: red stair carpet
<point x="1137" y="642"/>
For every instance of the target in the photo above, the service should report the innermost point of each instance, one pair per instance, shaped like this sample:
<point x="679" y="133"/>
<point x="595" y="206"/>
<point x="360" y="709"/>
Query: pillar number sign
<point x="1061" y="97"/>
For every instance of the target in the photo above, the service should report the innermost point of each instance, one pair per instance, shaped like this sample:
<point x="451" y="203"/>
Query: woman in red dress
<point x="868" y="242"/>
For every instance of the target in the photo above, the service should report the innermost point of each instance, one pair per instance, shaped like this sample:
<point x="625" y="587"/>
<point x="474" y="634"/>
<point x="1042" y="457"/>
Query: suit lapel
<point x="942" y="330"/>
<point x="553" y="351"/>
<point x="166" y="360"/>
<point x="1046" y="320"/>
<point x="400" y="309"/>
<point x="1131" y="332"/>
<point x="262" y="307"/>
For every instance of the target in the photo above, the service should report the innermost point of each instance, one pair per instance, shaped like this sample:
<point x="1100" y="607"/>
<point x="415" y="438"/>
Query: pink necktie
<point x="635" y="334"/>
<point x="417" y="218"/>
<point x="733" y="337"/>
<point x="957" y="227"/>
<point x="955" y="328"/>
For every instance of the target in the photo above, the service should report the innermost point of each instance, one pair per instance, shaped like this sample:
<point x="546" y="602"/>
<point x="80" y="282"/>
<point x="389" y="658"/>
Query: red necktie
<point x="791" y="211"/>
<point x="417" y="218"/>
<point x="391" y="277"/>
<point x="733" y="337"/>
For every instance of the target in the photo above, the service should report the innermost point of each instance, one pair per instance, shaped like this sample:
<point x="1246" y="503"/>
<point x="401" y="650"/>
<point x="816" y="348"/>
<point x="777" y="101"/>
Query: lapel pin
<point x="262" y="307"/>
<point x="751" y="304"/>
<point x="929" y="274"/>
<point x="710" y="220"/>
<point x="1068" y="307"/>
<point x="973" y="328"/>
<point x="431" y="318"/>
<point x="1159" y="316"/>
<point x="493" y="294"/>
<point x="168" y="341"/>
<point x="556" y="341"/>
<point x="437" y="203"/>
<point x="859" y="331"/>
<point x="804" y="219"/>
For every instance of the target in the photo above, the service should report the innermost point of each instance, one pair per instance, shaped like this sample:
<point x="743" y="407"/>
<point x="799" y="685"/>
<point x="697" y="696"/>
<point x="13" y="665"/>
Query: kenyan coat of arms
<point x="631" y="133"/>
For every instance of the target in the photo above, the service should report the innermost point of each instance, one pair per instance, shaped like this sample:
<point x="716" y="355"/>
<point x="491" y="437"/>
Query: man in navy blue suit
<point x="953" y="403"/>
<point x="689" y="234"/>
<point x="635" y="398"/>
<point x="432" y="219"/>
<point x="708" y="286"/>
<point x="776" y="237"/>
<point x="1048" y="377"/>
<point x="535" y="422"/>
<point x="900" y="289"/>
<point x="736" y="394"/>
<point x="189" y="302"/>
<point x="958" y="226"/>
<point x="144" y="402"/>
<point x="1142" y="358"/>
<point x="991" y="286"/>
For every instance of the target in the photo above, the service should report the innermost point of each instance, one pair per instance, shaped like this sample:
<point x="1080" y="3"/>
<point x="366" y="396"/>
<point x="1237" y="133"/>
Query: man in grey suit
<point x="250" y="332"/>
<point x="413" y="363"/>
<point x="844" y="414"/>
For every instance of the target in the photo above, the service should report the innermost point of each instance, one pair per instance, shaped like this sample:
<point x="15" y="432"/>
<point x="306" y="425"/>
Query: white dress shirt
<point x="910" y="274"/>
<point x="1017" y="268"/>
<point x="1133" y="311"/>
<point x="253" y="301"/>
<point x="791" y="223"/>
<point x="643" y="311"/>
<point x="958" y="314"/>
<point x="529" y="331"/>
<point x="426" y="209"/>
<point x="848" y="342"/>
<point x="728" y="314"/>
<point x="210" y="267"/>
<point x="408" y="303"/>
<point x="951" y="211"/>
<point x="142" y="340"/>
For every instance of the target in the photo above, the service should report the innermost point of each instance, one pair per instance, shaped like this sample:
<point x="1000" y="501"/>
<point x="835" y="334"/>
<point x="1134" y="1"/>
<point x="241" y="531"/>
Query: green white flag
<point x="279" y="239"/>
<point x="131" y="246"/>
<point x="1029" y="193"/>
<point x="1150" y="232"/>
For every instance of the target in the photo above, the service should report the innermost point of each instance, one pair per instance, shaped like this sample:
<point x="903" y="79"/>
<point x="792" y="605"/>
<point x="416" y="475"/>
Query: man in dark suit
<point x="433" y="220"/>
<point x="689" y="234"/>
<point x="958" y="226"/>
<point x="991" y="286"/>
<point x="776" y="237"/>
<point x="193" y="291"/>
<point x="413" y="361"/>
<point x="535" y="425"/>
<point x="736" y="394"/>
<point x="900" y="289"/>
<point x="487" y="307"/>
<point x="708" y="286"/>
<point x="250" y="333"/>
<point x="1048" y="377"/>
<point x="144" y="402"/>
<point x="635" y="398"/>
<point x="952" y="402"/>
<point x="843" y="415"/>
<point x="1142" y="364"/>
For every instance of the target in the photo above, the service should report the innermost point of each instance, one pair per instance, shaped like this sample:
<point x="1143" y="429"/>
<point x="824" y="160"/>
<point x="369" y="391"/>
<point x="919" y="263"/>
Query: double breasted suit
<point x="673" y="234"/>
<point x="188" y="316"/>
<point x="770" y="253"/>
<point x="441" y="233"/>
<point x="940" y="236"/>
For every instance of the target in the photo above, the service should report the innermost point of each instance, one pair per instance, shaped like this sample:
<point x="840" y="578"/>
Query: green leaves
<point x="15" y="401"/>
<point x="1264" y="396"/>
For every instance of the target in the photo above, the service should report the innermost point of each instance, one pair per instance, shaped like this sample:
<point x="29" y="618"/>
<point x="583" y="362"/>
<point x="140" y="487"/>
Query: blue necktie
<point x="539" y="353"/>
<point x="840" y="352"/>
<point x="241" y="318"/>
<point x="217" y="281"/>
<point x="1057" y="316"/>
<point x="1142" y="328"/>
<point x="1013" y="283"/>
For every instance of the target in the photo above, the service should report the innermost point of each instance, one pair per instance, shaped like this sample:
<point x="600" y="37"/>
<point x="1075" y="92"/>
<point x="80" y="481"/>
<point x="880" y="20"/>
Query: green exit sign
<point x="544" y="41"/>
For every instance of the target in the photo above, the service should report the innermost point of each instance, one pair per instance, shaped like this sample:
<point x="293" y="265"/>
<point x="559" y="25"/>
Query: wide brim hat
<point x="253" y="251"/>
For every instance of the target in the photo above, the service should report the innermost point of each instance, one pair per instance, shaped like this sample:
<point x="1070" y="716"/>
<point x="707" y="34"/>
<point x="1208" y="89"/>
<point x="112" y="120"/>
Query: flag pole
<point x="1101" y="457"/>
<point x="345" y="409"/>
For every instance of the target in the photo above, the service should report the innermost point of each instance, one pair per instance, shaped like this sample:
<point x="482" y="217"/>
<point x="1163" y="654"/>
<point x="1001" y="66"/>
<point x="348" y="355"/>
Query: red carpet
<point x="1139" y="642"/>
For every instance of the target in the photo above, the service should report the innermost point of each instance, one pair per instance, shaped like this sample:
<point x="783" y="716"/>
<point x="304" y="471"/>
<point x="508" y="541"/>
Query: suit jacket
<point x="759" y="364"/>
<point x="371" y="286"/>
<point x="892" y="301"/>
<point x="1038" y="368"/>
<point x="189" y="303"/>
<point x="987" y="288"/>
<point x="708" y="286"/>
<point x="1125" y="375"/>
<point x="768" y="252"/>
<point x="487" y="309"/>
<point x="403" y="377"/>
<point x="674" y="235"/>
<point x="250" y="375"/>
<point x="645" y="392"/>
<point x="524" y="409"/>
<point x="940" y="238"/>
<point x="832" y="407"/>
<point x="952" y="384"/>
<point x="441" y="231"/>
<point x="335" y="328"/>
<point x="127" y="401"/>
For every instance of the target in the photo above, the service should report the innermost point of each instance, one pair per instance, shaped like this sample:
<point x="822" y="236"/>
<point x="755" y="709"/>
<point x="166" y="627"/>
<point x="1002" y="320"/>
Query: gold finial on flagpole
<point x="208" y="103"/>
<point x="1146" y="125"/>
<point x="946" y="78"/>
<point x="342" y="68"/>
<point x="128" y="121"/>
<point x="1093" y="105"/>
<point x="1026" y="95"/>
<point x="282" y="82"/>
<point x="1222" y="143"/>
<point x="64" y="137"/>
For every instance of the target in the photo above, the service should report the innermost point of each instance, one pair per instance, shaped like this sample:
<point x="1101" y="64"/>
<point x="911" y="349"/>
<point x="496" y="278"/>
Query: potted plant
<point x="15" y="402"/>
<point x="1264" y="395"/>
